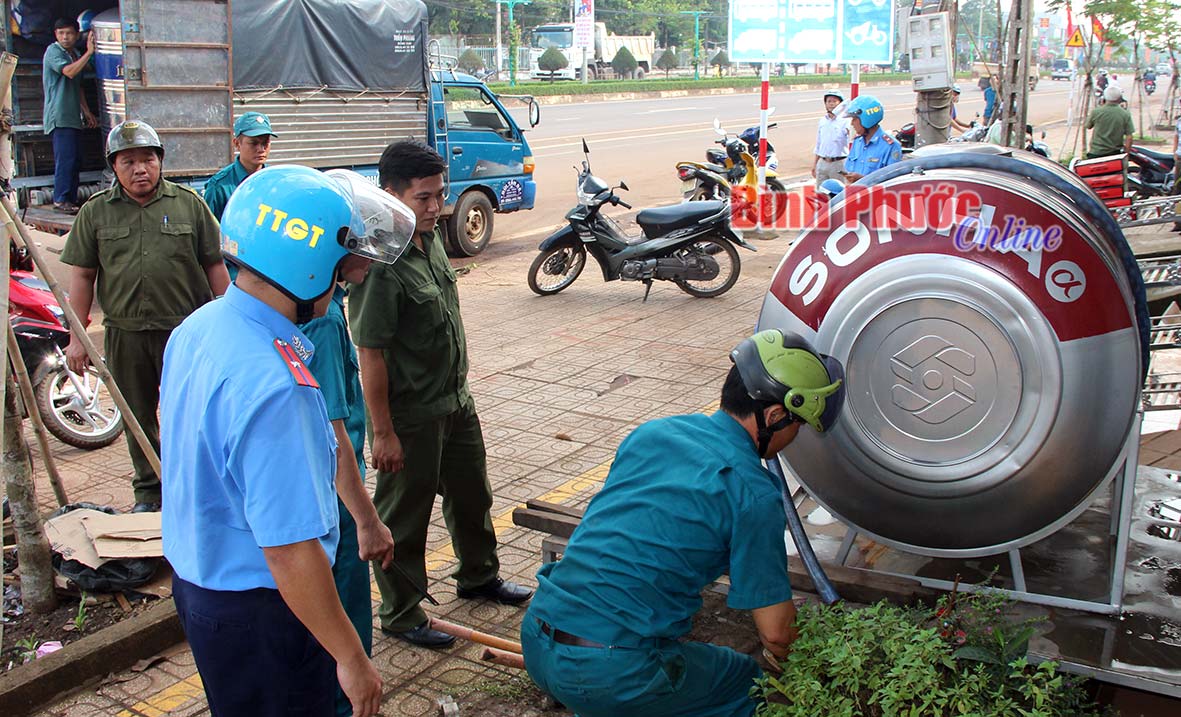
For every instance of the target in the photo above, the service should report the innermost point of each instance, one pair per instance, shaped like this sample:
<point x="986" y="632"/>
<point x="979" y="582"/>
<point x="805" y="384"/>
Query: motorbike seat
<point x="662" y="220"/>
<point x="1165" y="157"/>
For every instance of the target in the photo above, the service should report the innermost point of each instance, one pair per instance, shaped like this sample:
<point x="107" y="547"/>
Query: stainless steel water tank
<point x="990" y="390"/>
<point x="108" y="66"/>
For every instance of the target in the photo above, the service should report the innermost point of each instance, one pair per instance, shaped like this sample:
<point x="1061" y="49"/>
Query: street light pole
<point x="696" y="38"/>
<point x="512" y="46"/>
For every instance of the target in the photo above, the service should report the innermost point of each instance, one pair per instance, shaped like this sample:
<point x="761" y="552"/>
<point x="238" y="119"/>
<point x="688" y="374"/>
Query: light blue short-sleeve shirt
<point x="864" y="157"/>
<point x="247" y="450"/>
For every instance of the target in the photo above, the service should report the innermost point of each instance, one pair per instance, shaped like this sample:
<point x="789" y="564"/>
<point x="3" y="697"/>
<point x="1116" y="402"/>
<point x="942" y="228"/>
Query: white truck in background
<point x="598" y="59"/>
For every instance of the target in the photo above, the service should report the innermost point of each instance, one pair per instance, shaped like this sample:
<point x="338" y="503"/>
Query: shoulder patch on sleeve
<point x="888" y="139"/>
<point x="299" y="371"/>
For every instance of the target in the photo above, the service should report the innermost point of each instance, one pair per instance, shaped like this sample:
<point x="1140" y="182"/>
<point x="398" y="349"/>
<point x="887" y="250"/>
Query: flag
<point x="1097" y="28"/>
<point x="1069" y="22"/>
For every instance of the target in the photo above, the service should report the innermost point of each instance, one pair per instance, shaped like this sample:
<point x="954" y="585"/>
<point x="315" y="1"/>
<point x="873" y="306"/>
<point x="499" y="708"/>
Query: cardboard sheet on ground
<point x="67" y="535"/>
<point x="130" y="535"/>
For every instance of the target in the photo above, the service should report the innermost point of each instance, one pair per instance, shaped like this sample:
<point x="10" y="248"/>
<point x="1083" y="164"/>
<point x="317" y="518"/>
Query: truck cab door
<point x="484" y="144"/>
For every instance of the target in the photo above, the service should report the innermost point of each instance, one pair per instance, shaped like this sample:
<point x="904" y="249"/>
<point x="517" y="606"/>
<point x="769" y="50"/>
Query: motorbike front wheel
<point x="703" y="252"/>
<point x="88" y="420"/>
<point x="556" y="268"/>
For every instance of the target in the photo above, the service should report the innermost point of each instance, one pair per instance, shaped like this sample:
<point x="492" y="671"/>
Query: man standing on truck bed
<point x="153" y="248"/>
<point x="252" y="142"/>
<point x="426" y="437"/>
<point x="66" y="111"/>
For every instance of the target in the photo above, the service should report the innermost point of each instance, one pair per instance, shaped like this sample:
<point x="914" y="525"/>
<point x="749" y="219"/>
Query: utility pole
<point x="512" y="45"/>
<point x="933" y="107"/>
<point x="1015" y="75"/>
<point x="696" y="39"/>
<point x="499" y="54"/>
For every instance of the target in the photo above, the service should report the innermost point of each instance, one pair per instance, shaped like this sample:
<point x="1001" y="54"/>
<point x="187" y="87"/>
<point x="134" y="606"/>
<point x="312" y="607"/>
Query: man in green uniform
<point x="1112" y="125"/>
<point x="426" y="437"/>
<point x="362" y="534"/>
<point x="252" y="142"/>
<point x="66" y="111"/>
<point x="154" y="250"/>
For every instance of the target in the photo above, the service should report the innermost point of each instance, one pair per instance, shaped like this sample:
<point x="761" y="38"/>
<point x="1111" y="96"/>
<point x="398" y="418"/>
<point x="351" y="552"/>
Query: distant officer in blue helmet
<point x="250" y="514"/>
<point x="872" y="148"/>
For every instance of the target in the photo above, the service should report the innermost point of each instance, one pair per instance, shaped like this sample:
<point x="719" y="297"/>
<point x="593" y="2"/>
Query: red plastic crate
<point x="1113" y="203"/>
<point x="1115" y="164"/>
<point x="1105" y="180"/>
<point x="1110" y="192"/>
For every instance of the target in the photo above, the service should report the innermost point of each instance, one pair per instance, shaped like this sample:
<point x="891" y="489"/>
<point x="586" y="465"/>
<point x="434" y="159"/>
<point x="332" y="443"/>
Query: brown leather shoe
<point x="66" y="207"/>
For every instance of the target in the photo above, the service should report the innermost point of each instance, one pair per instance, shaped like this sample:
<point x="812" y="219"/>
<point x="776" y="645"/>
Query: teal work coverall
<point x="686" y="500"/>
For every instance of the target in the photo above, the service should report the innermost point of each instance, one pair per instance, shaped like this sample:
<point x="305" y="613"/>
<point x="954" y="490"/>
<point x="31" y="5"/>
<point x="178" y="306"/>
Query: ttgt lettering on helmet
<point x="295" y="228"/>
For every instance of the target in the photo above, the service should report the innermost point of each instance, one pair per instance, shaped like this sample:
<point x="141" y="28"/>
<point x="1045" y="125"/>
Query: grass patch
<point x="597" y="87"/>
<point x="514" y="688"/>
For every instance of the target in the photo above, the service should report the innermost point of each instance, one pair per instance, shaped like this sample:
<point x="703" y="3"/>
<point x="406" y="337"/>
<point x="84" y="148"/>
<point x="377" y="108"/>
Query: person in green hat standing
<point x="252" y="142"/>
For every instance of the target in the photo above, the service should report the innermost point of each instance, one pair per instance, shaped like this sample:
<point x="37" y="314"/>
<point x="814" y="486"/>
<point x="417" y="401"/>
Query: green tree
<point x="470" y="61"/>
<point x="667" y="62"/>
<point x="551" y="61"/>
<point x="624" y="63"/>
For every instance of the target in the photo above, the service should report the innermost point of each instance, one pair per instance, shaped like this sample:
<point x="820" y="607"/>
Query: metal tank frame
<point x="1121" y="479"/>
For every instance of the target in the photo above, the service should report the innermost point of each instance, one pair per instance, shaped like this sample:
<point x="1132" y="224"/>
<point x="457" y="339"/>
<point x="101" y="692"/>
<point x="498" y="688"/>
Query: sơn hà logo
<point x="934" y="373"/>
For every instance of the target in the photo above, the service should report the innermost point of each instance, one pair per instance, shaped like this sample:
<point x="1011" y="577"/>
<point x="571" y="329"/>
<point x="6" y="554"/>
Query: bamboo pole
<point x="7" y="69"/>
<point x="79" y="331"/>
<point x="466" y="633"/>
<point x="500" y="657"/>
<point x="25" y="384"/>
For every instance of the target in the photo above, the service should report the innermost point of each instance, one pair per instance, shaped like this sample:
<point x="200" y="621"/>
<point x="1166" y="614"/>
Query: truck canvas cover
<point x="334" y="45"/>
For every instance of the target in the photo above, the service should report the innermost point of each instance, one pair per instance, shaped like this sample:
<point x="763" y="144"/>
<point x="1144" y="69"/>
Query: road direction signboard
<point x="860" y="31"/>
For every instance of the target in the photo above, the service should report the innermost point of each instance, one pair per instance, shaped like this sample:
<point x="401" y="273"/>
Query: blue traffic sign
<point x="860" y="31"/>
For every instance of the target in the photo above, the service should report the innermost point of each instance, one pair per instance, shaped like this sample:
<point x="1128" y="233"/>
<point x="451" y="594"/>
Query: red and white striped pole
<point x="856" y="85"/>
<point x="764" y="113"/>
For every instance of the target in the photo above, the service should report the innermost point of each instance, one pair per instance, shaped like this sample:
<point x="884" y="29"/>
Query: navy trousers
<point x="255" y="657"/>
<point x="67" y="162"/>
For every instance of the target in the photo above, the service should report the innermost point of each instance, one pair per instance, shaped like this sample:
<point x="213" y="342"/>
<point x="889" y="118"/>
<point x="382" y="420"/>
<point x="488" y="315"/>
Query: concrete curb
<point x="705" y="92"/>
<point x="34" y="684"/>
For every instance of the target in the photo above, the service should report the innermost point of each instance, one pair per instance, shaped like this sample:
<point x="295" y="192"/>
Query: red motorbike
<point x="76" y="408"/>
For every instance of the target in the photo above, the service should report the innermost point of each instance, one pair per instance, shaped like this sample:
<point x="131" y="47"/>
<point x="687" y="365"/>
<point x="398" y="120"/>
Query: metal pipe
<point x="824" y="587"/>
<point x="466" y="633"/>
<point x="500" y="657"/>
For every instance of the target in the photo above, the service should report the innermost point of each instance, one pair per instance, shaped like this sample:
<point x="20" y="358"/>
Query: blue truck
<point x="340" y="80"/>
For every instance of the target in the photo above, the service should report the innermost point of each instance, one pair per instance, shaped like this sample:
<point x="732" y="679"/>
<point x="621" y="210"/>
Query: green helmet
<point x="130" y="134"/>
<point x="782" y="367"/>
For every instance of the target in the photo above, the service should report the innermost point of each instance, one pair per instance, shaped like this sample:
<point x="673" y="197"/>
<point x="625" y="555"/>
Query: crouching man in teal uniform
<point x="687" y="499"/>
<point x="250" y="518"/>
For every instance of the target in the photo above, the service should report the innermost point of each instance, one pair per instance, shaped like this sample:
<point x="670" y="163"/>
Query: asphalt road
<point x="640" y="142"/>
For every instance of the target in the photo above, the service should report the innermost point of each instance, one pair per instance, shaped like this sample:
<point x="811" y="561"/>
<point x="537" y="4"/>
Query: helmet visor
<point x="833" y="403"/>
<point x="382" y="226"/>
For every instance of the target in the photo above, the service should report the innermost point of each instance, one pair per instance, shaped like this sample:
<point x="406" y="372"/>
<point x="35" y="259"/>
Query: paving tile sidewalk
<point x="559" y="381"/>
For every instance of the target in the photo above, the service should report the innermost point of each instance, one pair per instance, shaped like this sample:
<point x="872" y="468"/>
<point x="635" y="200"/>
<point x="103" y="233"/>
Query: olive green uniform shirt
<point x="151" y="260"/>
<point x="410" y="310"/>
<point x="1112" y="124"/>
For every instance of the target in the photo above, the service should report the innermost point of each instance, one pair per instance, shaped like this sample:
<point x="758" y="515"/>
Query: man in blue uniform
<point x="252" y="142"/>
<point x="872" y="148"/>
<point x="687" y="499"/>
<point x="250" y="511"/>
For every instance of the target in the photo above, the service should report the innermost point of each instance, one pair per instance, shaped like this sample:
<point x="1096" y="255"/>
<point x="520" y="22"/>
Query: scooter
<point x="905" y="137"/>
<point x="736" y="162"/>
<point x="1149" y="86"/>
<point x="1150" y="173"/>
<point x="76" y="408"/>
<point x="690" y="244"/>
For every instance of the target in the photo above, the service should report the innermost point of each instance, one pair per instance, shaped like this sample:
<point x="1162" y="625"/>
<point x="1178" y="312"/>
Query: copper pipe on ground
<point x="500" y="657"/>
<point x="466" y="633"/>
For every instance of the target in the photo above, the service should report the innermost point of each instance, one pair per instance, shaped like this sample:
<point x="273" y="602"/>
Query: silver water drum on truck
<point x="992" y="323"/>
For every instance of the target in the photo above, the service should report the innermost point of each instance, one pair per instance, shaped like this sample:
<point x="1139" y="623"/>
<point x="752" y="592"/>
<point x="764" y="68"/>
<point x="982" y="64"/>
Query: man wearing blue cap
<point x="252" y="142"/>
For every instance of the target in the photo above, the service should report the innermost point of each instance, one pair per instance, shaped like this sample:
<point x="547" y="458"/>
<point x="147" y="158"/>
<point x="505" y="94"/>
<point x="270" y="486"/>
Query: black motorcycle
<point x="1150" y="173"/>
<point x="689" y="244"/>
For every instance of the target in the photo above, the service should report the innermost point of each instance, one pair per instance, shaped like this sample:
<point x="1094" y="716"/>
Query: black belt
<point x="566" y="638"/>
<point x="832" y="159"/>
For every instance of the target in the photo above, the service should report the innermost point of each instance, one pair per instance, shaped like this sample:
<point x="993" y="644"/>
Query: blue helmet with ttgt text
<point x="868" y="109"/>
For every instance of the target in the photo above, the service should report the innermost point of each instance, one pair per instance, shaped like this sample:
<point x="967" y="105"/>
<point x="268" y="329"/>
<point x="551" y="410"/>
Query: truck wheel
<point x="470" y="226"/>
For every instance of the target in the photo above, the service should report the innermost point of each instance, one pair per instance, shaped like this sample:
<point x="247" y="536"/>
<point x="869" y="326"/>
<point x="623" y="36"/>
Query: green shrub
<point x="667" y="62"/>
<point x="966" y="657"/>
<point x="470" y="61"/>
<point x="624" y="63"/>
<point x="551" y="61"/>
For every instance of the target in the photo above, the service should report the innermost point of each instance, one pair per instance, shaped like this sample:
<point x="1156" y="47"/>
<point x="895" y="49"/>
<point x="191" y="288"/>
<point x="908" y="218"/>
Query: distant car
<point x="1061" y="70"/>
<point x="1163" y="69"/>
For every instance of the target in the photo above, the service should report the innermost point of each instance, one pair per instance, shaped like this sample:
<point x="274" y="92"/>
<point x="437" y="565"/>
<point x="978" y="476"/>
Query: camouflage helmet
<point x="130" y="134"/>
